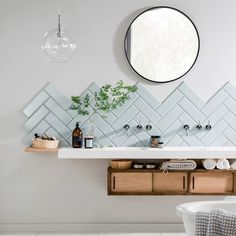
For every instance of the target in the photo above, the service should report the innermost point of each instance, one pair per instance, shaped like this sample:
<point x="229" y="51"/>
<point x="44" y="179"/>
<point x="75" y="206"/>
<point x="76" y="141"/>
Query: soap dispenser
<point x="77" y="137"/>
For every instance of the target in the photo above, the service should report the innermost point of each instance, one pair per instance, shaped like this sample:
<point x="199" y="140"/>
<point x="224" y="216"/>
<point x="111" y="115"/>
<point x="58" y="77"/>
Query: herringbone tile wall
<point x="49" y="113"/>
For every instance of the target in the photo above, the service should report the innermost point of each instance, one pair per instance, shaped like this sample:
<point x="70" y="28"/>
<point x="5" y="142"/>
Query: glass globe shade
<point x="58" y="47"/>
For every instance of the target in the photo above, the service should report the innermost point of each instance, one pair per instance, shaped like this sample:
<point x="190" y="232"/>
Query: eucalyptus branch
<point x="108" y="98"/>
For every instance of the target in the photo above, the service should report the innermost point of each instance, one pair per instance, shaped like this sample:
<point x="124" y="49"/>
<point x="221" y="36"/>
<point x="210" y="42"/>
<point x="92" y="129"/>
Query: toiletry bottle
<point x="77" y="137"/>
<point x="88" y="141"/>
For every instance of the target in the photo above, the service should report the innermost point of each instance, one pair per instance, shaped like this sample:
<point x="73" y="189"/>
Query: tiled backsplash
<point x="49" y="113"/>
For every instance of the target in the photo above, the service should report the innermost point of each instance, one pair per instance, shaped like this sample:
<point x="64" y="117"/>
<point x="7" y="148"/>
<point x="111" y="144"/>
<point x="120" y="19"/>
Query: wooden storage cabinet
<point x="155" y="182"/>
<point x="211" y="182"/>
<point x="131" y="182"/>
<point x="171" y="182"/>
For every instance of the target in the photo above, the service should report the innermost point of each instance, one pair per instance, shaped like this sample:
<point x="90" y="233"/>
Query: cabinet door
<point x="131" y="182"/>
<point x="170" y="182"/>
<point x="211" y="182"/>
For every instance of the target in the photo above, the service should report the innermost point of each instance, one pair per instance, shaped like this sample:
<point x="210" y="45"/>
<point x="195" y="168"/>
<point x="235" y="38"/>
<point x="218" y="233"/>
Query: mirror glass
<point x="162" y="44"/>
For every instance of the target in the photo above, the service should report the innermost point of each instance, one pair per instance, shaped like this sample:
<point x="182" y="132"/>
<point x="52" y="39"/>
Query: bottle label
<point x="77" y="142"/>
<point x="89" y="143"/>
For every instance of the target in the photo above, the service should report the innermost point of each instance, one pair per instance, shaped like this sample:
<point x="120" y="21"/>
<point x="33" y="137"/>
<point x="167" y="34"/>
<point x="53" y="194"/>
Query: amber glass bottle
<point x="77" y="137"/>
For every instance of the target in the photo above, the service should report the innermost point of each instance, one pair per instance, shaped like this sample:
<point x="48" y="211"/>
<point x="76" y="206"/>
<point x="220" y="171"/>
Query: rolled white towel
<point x="222" y="164"/>
<point x="232" y="164"/>
<point x="209" y="164"/>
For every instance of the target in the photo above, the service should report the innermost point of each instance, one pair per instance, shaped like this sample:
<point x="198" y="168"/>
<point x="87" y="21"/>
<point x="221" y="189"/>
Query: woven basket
<point x="47" y="144"/>
<point x="121" y="164"/>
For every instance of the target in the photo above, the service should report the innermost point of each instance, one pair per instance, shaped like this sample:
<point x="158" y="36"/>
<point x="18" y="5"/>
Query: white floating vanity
<point x="155" y="181"/>
<point x="151" y="153"/>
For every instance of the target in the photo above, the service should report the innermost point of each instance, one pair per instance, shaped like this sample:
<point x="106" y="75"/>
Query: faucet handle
<point x="139" y="126"/>
<point x="208" y="126"/>
<point x="148" y="127"/>
<point x="199" y="126"/>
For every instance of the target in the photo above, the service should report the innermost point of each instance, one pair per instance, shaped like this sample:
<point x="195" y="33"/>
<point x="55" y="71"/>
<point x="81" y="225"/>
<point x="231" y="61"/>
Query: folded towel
<point x="217" y="222"/>
<point x="232" y="164"/>
<point x="179" y="165"/>
<point x="209" y="164"/>
<point x="222" y="164"/>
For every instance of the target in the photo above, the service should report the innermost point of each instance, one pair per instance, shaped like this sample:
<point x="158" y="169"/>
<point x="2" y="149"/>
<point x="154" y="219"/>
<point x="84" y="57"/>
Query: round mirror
<point x="162" y="44"/>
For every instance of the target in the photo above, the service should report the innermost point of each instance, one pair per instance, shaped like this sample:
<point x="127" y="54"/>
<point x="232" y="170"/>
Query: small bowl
<point x="150" y="166"/>
<point x="138" y="166"/>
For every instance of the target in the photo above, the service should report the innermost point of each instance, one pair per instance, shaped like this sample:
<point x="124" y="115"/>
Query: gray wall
<point x="39" y="188"/>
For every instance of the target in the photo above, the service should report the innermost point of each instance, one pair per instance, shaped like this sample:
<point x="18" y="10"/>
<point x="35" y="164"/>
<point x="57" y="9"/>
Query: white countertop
<point x="148" y="153"/>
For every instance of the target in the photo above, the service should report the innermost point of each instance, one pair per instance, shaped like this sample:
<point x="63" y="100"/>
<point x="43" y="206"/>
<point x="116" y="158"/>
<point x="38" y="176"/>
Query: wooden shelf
<point x="40" y="150"/>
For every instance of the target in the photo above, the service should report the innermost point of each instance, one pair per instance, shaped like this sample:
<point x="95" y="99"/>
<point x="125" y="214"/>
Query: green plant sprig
<point x="108" y="98"/>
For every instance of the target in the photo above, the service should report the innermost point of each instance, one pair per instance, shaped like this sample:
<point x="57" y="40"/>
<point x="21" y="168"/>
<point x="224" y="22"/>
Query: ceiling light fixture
<point x="58" y="44"/>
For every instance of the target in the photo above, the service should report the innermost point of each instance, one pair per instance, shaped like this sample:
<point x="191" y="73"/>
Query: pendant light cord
<point x="59" y="20"/>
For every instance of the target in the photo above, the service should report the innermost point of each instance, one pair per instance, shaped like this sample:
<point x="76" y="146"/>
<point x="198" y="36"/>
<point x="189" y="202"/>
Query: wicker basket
<point x="47" y="144"/>
<point x="121" y="164"/>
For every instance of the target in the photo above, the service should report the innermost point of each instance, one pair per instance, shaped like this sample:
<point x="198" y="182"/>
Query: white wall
<point x="39" y="188"/>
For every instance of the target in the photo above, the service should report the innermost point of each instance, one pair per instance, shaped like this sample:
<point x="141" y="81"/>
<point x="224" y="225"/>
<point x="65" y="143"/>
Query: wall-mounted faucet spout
<point x="186" y="127"/>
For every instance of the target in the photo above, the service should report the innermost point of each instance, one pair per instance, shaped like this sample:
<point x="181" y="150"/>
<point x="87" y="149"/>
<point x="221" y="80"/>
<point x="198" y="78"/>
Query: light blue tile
<point x="192" y="110"/>
<point x="61" y="99"/>
<point x="169" y="103"/>
<point x="108" y="117"/>
<point x="144" y="122"/>
<point x="141" y="118"/>
<point x="231" y="90"/>
<point x="102" y="139"/>
<point x="214" y="102"/>
<point x="229" y="144"/>
<point x="213" y="118"/>
<point x="58" y="126"/>
<point x="141" y="135"/>
<point x="217" y="115"/>
<point x="143" y="107"/>
<point x="191" y="95"/>
<point x="125" y="118"/>
<point x="130" y="142"/>
<point x="187" y="120"/>
<point x="191" y="140"/>
<point x="231" y="120"/>
<point x="214" y="133"/>
<point x="40" y="129"/>
<point x="175" y="141"/>
<point x="35" y="118"/>
<point x="172" y="130"/>
<point x="139" y="144"/>
<point x="183" y="144"/>
<point x="170" y="117"/>
<point x="120" y="137"/>
<point x="147" y="96"/>
<point x="72" y="113"/>
<point x="103" y="126"/>
<point x="154" y="131"/>
<point x="120" y="110"/>
<point x="230" y="134"/>
<point x="58" y="111"/>
<point x="79" y="118"/>
<point x="219" y="141"/>
<point x="35" y="103"/>
<point x="52" y="132"/>
<point x="231" y="105"/>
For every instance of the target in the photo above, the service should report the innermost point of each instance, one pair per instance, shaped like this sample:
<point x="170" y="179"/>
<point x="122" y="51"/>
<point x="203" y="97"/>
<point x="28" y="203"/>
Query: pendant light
<point x="58" y="44"/>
